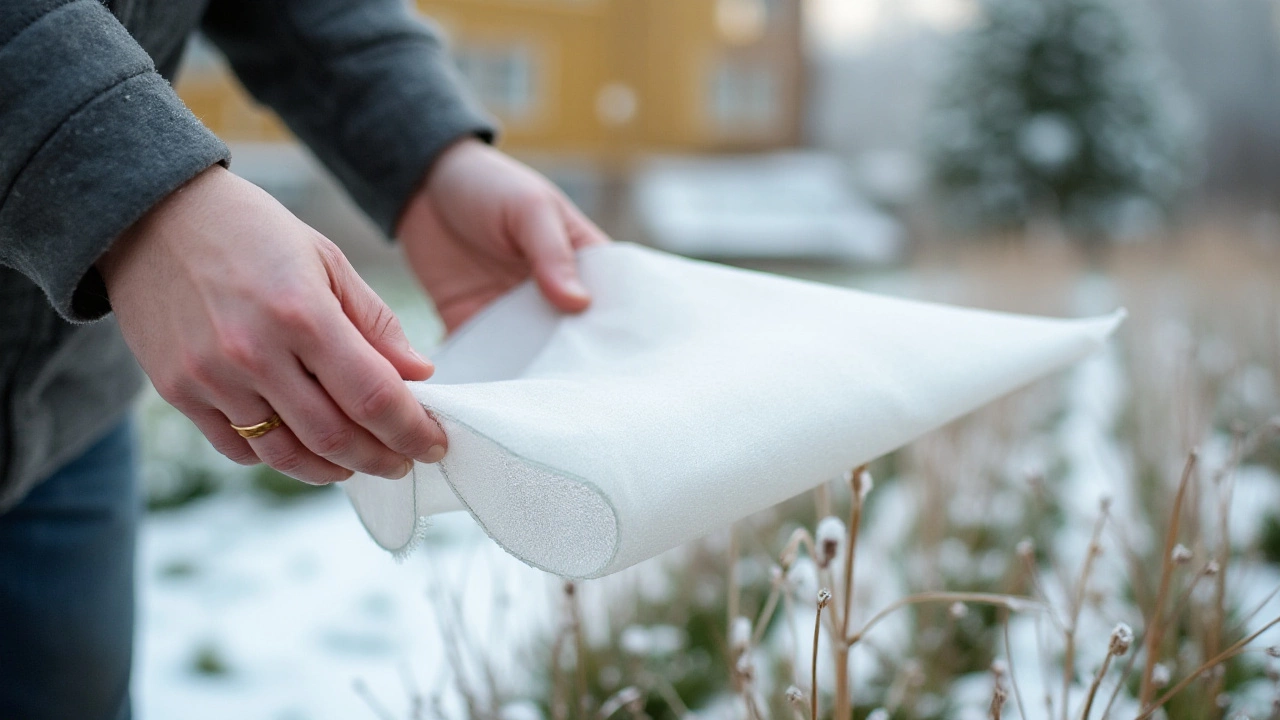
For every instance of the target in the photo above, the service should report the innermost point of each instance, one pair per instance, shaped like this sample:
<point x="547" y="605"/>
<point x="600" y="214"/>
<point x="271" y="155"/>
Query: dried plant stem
<point x="749" y="700"/>
<point x="1224" y="477"/>
<point x="579" y="651"/>
<point x="1009" y="602"/>
<point x="1185" y="596"/>
<point x="800" y="537"/>
<point x="452" y="645"/>
<point x="1155" y="631"/>
<point x="367" y="696"/>
<point x="668" y="693"/>
<point x="813" y="670"/>
<point x="1124" y="680"/>
<point x="766" y="614"/>
<point x="844" y="693"/>
<point x="1013" y="679"/>
<point x="1077" y="605"/>
<point x="559" y="706"/>
<point x="1093" y="686"/>
<point x="822" y="500"/>
<point x="1259" y="607"/>
<point x="417" y="703"/>
<point x="734" y="581"/>
<point x="1235" y="649"/>
<point x="855" y="519"/>
<point x="1042" y="595"/>
<point x="789" y="612"/>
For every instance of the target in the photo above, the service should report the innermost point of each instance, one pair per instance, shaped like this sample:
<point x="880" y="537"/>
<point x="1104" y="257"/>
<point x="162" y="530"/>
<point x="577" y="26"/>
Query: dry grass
<point x="935" y="581"/>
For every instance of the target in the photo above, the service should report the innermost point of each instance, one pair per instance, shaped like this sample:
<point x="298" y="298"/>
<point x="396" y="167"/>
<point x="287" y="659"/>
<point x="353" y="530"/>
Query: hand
<point x="482" y="223"/>
<point x="236" y="309"/>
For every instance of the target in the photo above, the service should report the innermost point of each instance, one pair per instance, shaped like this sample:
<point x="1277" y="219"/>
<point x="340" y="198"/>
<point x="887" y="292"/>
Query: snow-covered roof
<point x="780" y="205"/>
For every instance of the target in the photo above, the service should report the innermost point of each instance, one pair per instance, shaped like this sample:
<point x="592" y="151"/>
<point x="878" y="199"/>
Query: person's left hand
<point x="482" y="222"/>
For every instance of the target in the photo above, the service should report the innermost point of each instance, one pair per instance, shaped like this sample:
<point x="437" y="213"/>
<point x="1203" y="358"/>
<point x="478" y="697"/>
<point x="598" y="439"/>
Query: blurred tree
<point x="1058" y="109"/>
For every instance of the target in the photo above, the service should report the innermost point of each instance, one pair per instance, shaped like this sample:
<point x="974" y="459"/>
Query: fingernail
<point x="575" y="287"/>
<point x="408" y="467"/>
<point x="434" y="455"/>
<point x="418" y="356"/>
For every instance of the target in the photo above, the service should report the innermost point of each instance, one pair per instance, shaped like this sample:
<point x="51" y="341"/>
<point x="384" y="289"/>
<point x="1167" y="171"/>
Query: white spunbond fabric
<point x="688" y="396"/>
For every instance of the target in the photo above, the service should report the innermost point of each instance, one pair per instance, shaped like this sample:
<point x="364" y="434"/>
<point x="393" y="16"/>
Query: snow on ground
<point x="286" y="606"/>
<point x="297" y="603"/>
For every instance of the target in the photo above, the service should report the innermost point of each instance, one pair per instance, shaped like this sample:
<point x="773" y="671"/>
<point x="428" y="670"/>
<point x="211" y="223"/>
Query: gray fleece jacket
<point x="92" y="135"/>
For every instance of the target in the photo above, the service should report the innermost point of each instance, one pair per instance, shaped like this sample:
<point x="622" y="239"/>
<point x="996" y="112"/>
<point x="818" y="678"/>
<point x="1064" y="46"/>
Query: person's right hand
<point x="236" y="309"/>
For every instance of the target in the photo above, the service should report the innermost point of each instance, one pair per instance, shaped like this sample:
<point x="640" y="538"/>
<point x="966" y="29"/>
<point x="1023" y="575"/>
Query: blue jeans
<point x="66" y="588"/>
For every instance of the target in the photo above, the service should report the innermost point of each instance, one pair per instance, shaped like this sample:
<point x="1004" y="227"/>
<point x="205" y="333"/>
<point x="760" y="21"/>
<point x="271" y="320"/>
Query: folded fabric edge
<point x="547" y="518"/>
<point x="375" y="499"/>
<point x="1107" y="324"/>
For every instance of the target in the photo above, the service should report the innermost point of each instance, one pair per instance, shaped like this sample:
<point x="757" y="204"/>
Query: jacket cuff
<point x="101" y="170"/>
<point x="409" y="113"/>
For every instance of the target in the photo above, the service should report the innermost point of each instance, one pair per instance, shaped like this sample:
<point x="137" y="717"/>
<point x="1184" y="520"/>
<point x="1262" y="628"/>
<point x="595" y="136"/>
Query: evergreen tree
<point x="1057" y="108"/>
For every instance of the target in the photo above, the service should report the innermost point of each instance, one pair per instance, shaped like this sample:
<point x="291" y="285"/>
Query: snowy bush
<point x="1058" y="109"/>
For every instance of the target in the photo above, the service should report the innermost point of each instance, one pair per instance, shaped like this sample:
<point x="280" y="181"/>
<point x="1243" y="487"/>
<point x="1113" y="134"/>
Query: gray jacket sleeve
<point x="364" y="83"/>
<point x="90" y="138"/>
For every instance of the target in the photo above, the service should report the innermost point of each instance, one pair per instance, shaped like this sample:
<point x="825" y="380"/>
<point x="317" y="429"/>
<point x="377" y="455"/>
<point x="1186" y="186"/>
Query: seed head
<point x="629" y="695"/>
<point x="863" y="484"/>
<point x="878" y="714"/>
<point x="958" y="610"/>
<point x="1181" y="555"/>
<point x="1212" y="568"/>
<point x="830" y="539"/>
<point x="1121" y="639"/>
<point x="1274" y="651"/>
<point x="795" y="696"/>
<point x="860" y="482"/>
<point x="740" y="634"/>
<point x="1026" y="548"/>
<point x="824" y="597"/>
<point x="1161" y="675"/>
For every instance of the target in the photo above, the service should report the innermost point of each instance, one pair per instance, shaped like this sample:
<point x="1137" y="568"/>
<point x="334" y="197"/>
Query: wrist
<point x="459" y="148"/>
<point x="148" y="228"/>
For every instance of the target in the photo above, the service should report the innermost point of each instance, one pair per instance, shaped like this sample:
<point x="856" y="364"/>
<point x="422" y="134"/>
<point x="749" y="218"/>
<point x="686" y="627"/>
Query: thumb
<point x="374" y="319"/>
<point x="544" y="239"/>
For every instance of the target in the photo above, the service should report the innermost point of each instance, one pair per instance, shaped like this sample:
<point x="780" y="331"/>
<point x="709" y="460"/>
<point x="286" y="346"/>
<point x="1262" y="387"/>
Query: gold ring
<point x="256" y="431"/>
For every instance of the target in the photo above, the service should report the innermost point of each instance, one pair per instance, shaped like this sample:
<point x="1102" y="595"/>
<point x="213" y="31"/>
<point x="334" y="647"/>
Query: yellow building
<point x="598" y="80"/>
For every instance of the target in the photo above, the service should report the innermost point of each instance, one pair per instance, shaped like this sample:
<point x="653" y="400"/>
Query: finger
<point x="582" y="232"/>
<point x="542" y="236"/>
<point x="280" y="448"/>
<point x="215" y="426"/>
<point x="375" y="321"/>
<point x="324" y="430"/>
<point x="368" y="390"/>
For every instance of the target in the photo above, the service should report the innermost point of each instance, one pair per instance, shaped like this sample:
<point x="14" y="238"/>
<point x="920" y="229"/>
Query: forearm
<point x="366" y="85"/>
<point x="90" y="138"/>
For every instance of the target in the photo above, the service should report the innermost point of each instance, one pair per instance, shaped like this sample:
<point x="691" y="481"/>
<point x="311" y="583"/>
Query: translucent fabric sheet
<point x="688" y="396"/>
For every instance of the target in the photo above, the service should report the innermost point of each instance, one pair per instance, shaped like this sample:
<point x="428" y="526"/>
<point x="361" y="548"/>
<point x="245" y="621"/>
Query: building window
<point x="504" y="78"/>
<point x="743" y="98"/>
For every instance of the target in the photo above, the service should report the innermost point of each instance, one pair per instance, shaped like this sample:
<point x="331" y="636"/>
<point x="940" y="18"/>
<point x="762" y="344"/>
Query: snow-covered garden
<point x="1102" y="544"/>
<point x="986" y="554"/>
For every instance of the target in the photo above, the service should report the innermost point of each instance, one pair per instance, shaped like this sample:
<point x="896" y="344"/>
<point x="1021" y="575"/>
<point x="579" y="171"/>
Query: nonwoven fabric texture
<point x="688" y="396"/>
